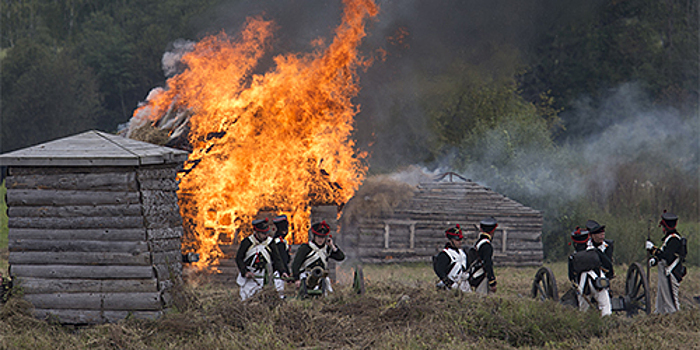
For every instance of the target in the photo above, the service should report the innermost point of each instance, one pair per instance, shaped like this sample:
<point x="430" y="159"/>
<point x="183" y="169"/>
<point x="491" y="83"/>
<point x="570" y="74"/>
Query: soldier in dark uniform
<point x="587" y="266"/>
<point x="485" y="279"/>
<point x="257" y="259"/>
<point x="670" y="258"/>
<point x="283" y="249"/>
<point x="316" y="254"/>
<point x="450" y="265"/>
<point x="597" y="233"/>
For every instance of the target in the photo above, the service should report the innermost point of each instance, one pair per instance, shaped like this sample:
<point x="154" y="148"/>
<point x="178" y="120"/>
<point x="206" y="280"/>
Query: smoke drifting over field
<point x="412" y="41"/>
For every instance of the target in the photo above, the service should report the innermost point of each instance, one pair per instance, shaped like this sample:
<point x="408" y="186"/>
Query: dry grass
<point x="401" y="310"/>
<point x="378" y="196"/>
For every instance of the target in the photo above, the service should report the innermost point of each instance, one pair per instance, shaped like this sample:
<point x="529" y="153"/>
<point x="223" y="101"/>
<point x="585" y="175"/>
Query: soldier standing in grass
<point x="316" y="254"/>
<point x="587" y="266"/>
<point x="670" y="258"/>
<point x="257" y="258"/>
<point x="450" y="265"/>
<point x="280" y="243"/>
<point x="484" y="277"/>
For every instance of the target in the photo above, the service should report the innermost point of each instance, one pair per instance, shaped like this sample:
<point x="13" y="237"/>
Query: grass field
<point x="400" y="310"/>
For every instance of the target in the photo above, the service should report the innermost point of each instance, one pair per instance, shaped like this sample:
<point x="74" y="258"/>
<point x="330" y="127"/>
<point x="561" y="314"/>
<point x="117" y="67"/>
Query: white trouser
<point x="666" y="291"/>
<point x="602" y="297"/>
<point x="279" y="282"/>
<point x="249" y="286"/>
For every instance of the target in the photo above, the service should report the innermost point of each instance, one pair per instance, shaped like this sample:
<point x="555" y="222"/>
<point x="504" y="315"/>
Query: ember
<point x="278" y="141"/>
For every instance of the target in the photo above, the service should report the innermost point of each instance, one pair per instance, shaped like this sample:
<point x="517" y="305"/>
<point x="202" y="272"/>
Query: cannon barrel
<point x="316" y="274"/>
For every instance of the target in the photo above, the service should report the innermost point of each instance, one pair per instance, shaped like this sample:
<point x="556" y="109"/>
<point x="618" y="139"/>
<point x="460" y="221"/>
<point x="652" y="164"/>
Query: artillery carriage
<point x="636" y="297"/>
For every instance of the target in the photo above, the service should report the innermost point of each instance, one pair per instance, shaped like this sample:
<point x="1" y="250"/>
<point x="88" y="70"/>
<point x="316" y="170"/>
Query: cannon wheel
<point x="358" y="283"/>
<point x="545" y="286"/>
<point x="637" y="290"/>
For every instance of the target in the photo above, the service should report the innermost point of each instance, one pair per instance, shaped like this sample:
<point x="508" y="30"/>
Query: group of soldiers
<point x="470" y="271"/>
<point x="264" y="257"/>
<point x="591" y="265"/>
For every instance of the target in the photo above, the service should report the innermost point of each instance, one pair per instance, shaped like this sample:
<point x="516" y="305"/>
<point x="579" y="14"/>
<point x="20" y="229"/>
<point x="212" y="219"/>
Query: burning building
<point x="278" y="141"/>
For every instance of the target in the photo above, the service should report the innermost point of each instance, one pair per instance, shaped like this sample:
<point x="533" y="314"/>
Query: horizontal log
<point x="97" y="301"/>
<point x="64" y="198"/>
<point x="80" y="258"/>
<point x="163" y="172"/>
<point x="31" y="285"/>
<point x="163" y="245"/>
<point x="81" y="222"/>
<point x="90" y="234"/>
<point x="158" y="198"/>
<point x="24" y="245"/>
<point x="121" y="181"/>
<point x="167" y="257"/>
<point x="85" y="272"/>
<point x="93" y="317"/>
<point x="159" y="184"/>
<point x="162" y="217"/>
<point x="76" y="211"/>
<point x="165" y="233"/>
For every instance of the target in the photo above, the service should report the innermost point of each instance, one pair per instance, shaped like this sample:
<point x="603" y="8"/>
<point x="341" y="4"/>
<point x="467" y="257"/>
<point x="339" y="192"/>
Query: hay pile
<point x="378" y="196"/>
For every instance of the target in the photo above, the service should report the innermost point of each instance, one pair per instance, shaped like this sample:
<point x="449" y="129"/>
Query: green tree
<point x="46" y="94"/>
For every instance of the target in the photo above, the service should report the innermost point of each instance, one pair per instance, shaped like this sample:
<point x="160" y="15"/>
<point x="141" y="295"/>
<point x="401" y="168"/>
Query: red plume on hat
<point x="261" y="225"/>
<point x="668" y="221"/>
<point x="320" y="229"/>
<point x="454" y="233"/>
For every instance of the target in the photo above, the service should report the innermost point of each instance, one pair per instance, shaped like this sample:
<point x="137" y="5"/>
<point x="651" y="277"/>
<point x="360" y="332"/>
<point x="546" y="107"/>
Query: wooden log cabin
<point x="415" y="229"/>
<point x="94" y="227"/>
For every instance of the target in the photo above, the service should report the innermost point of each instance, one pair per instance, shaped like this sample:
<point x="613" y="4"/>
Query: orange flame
<point x="278" y="141"/>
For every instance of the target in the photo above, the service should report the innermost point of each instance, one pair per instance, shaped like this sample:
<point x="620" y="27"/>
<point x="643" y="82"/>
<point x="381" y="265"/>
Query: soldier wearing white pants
<point x="587" y="267"/>
<point x="256" y="259"/>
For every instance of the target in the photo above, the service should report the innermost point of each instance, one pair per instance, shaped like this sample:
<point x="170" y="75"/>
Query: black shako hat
<point x="320" y="229"/>
<point x="489" y="224"/>
<point x="454" y="233"/>
<point x="282" y="225"/>
<point x="668" y="220"/>
<point x="261" y="225"/>
<point x="594" y="227"/>
<point x="578" y="236"/>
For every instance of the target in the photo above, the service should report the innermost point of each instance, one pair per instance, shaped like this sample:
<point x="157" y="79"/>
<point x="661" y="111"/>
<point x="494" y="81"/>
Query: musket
<point x="648" y="253"/>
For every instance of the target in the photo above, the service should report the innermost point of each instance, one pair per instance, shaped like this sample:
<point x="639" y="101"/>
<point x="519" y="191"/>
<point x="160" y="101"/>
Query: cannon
<point x="635" y="299"/>
<point x="315" y="282"/>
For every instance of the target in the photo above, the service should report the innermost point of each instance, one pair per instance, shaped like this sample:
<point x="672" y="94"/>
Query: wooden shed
<point x="94" y="227"/>
<point x="415" y="229"/>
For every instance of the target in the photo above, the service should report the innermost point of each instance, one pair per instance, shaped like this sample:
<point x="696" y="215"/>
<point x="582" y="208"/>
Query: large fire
<point x="278" y="141"/>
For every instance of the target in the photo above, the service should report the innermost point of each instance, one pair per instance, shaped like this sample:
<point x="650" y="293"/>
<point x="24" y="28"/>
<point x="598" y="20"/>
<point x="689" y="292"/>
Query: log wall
<point x="416" y="230"/>
<point x="91" y="245"/>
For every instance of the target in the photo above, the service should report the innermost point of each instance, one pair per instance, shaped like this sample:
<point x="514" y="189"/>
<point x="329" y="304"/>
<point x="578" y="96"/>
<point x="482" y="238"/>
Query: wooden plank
<point x="86" y="272"/>
<point x="165" y="233"/>
<point x="162" y="245"/>
<point x="23" y="197"/>
<point x="80" y="258"/>
<point x="31" y="285"/>
<point x="82" y="222"/>
<point x="76" y="211"/>
<point x="93" y="317"/>
<point x="25" y="245"/>
<point x="96" y="301"/>
<point x="156" y="172"/>
<point x="90" y="234"/>
<point x="121" y="182"/>
<point x="167" y="257"/>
